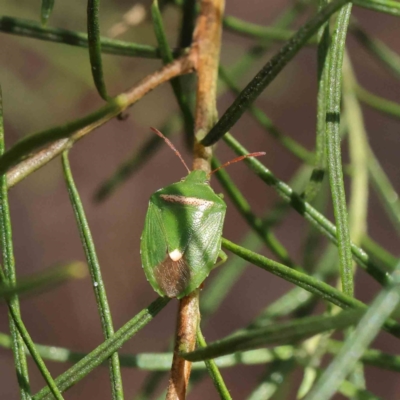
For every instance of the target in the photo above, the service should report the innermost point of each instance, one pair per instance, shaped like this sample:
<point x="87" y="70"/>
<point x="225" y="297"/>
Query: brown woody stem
<point x="205" y="52"/>
<point x="185" y="340"/>
<point x="206" y="49"/>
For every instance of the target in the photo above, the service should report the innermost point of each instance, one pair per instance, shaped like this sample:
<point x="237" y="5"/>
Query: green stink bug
<point x="181" y="240"/>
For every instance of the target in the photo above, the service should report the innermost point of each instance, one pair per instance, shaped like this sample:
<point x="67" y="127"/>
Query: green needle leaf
<point x="167" y="57"/>
<point x="14" y="311"/>
<point x="385" y="6"/>
<point x="358" y="341"/>
<point x="42" y="280"/>
<point x="257" y="31"/>
<point x="245" y="210"/>
<point x="358" y="149"/>
<point x="305" y="281"/>
<point x="385" y="189"/>
<point x="274" y="379"/>
<point x="162" y="361"/>
<point x="20" y="361"/>
<point x="106" y="349"/>
<point x="214" y="371"/>
<point x="268" y="73"/>
<point x="310" y="287"/>
<point x="379" y="252"/>
<point x="93" y="28"/>
<point x="19" y="333"/>
<point x="158" y="26"/>
<point x="95" y="272"/>
<point x="46" y="10"/>
<point x="278" y="333"/>
<point x="373" y="357"/>
<point x="31" y="29"/>
<point x="380" y="50"/>
<point x="318" y="173"/>
<point x="333" y="151"/>
<point x="228" y="274"/>
<point x="298" y="298"/>
<point x="290" y="144"/>
<point x="259" y="50"/>
<point x="351" y="391"/>
<point x="189" y="13"/>
<point x="385" y="106"/>
<point x="307" y="211"/>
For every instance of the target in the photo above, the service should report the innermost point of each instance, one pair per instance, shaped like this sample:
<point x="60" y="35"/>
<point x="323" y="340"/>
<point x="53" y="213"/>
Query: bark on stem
<point x="205" y="52"/>
<point x="206" y="49"/>
<point x="185" y="340"/>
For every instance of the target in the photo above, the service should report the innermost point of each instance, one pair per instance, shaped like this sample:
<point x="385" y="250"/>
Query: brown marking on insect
<point x="172" y="276"/>
<point x="188" y="201"/>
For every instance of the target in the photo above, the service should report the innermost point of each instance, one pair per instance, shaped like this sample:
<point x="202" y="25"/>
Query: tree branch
<point x="186" y="329"/>
<point x="206" y="46"/>
<point x="63" y="137"/>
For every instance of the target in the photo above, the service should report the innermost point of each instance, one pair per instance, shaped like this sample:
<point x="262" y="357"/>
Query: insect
<point x="181" y="240"/>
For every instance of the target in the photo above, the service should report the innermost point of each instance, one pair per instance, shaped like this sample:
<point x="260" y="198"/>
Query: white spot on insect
<point x="95" y="284"/>
<point x="175" y="255"/>
<point x="189" y="201"/>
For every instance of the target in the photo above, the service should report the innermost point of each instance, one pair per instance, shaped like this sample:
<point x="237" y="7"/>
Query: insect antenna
<point x="169" y="143"/>
<point x="237" y="159"/>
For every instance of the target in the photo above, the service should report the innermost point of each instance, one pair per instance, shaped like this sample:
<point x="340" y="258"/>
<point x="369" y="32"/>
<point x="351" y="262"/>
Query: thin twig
<point x="205" y="50"/>
<point x="181" y="66"/>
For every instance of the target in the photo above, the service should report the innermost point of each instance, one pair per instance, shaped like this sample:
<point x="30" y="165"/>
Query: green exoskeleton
<point x="181" y="240"/>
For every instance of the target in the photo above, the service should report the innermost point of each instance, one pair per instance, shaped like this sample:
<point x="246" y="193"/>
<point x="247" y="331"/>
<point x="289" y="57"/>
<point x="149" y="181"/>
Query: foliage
<point x="297" y="338"/>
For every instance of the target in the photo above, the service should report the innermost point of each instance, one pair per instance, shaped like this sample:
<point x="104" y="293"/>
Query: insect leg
<point x="222" y="255"/>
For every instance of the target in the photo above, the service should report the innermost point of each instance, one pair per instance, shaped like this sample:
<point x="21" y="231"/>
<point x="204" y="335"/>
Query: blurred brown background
<point x="46" y="84"/>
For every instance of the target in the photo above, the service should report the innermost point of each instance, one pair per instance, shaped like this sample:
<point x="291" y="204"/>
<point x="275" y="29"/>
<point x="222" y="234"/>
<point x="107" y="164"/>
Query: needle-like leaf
<point x="268" y="73"/>
<point x="31" y="29"/>
<point x="46" y="10"/>
<point x="106" y="349"/>
<point x="93" y="29"/>
<point x="47" y="279"/>
<point x="280" y="333"/>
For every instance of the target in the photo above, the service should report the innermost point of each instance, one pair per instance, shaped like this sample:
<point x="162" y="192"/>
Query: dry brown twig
<point x="181" y="66"/>
<point x="205" y="51"/>
<point x="185" y="340"/>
